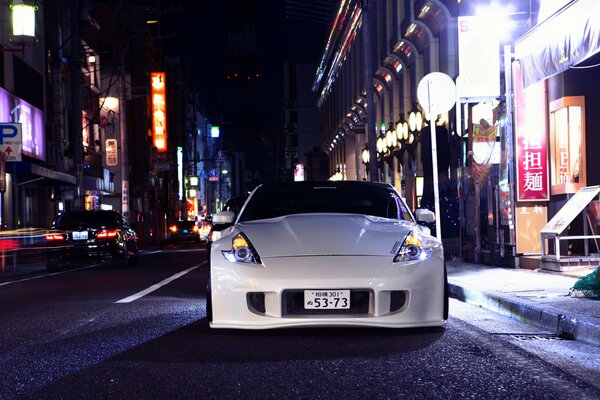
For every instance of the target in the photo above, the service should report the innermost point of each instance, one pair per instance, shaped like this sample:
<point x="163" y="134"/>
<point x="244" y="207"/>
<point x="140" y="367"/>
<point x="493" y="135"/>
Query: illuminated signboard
<point x="478" y="58"/>
<point x="15" y="110"/>
<point x="531" y="153"/>
<point x="159" y="111"/>
<point x="112" y="155"/>
<point x="298" y="172"/>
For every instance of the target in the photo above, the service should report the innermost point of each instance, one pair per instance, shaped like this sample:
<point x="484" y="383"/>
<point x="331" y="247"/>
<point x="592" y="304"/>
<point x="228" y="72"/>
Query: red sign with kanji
<point x="531" y="140"/>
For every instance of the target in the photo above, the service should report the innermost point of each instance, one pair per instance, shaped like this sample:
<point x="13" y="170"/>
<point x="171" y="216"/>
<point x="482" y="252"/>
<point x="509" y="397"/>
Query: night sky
<point x="204" y="31"/>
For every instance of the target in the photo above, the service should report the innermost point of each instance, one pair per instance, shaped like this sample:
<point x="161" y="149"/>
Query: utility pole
<point x="370" y="124"/>
<point x="123" y="131"/>
<point x="76" y="127"/>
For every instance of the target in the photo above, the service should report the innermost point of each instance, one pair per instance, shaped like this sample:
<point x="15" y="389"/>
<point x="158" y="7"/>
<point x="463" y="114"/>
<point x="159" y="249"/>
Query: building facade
<point x="515" y="147"/>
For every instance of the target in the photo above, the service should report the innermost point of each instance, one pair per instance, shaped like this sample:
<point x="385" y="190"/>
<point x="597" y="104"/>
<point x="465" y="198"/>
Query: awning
<point x="565" y="39"/>
<point x="61" y="178"/>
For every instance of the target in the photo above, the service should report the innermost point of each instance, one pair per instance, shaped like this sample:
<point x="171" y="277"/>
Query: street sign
<point x="436" y="93"/>
<point x="112" y="158"/>
<point x="10" y="141"/>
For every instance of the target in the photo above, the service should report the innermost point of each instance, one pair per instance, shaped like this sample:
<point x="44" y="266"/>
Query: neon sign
<point x="159" y="111"/>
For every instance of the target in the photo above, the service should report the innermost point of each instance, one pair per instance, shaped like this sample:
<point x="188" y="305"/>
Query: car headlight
<point x="241" y="250"/>
<point x="216" y="235"/>
<point x="414" y="248"/>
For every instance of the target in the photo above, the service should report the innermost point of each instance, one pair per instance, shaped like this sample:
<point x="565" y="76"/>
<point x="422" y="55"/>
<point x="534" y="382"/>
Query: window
<point x="567" y="141"/>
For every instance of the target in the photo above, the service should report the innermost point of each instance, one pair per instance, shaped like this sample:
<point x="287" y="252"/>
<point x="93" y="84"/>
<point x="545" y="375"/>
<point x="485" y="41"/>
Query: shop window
<point x="567" y="141"/>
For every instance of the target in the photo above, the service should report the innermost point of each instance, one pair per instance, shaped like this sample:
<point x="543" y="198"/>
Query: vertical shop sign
<point x="112" y="158"/>
<point x="530" y="219"/>
<point x="298" y="172"/>
<point x="478" y="58"/>
<point x="159" y="111"/>
<point x="531" y="150"/>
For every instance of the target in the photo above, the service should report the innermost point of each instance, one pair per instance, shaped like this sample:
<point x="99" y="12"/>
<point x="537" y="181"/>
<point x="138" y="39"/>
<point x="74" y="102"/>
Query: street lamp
<point x="381" y="145"/>
<point x="402" y="128"/>
<point x="390" y="140"/>
<point x="415" y="120"/>
<point x="366" y="158"/>
<point x="23" y="21"/>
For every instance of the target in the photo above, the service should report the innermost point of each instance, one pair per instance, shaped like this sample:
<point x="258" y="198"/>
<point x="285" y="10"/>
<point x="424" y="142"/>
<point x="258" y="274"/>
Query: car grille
<point x="293" y="304"/>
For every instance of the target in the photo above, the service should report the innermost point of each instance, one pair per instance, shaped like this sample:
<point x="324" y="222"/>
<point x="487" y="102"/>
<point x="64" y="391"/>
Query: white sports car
<point x="340" y="253"/>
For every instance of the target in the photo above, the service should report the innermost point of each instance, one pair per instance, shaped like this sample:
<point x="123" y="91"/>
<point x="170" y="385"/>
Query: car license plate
<point x="80" y="235"/>
<point x="327" y="299"/>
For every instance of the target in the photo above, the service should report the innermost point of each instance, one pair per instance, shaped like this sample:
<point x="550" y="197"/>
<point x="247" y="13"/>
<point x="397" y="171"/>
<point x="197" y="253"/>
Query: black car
<point x="78" y="236"/>
<point x="185" y="230"/>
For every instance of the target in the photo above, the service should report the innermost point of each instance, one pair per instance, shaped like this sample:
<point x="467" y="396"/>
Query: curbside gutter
<point x="571" y="327"/>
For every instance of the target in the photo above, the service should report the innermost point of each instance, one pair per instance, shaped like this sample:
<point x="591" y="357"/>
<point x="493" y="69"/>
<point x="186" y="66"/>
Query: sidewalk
<point x="533" y="296"/>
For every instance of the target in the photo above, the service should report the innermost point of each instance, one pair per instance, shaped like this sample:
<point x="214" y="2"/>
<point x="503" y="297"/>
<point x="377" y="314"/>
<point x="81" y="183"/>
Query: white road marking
<point x="50" y="274"/>
<point x="155" y="286"/>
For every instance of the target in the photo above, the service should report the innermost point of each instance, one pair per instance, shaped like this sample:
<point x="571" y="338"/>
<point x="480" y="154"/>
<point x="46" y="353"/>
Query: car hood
<point x="326" y="234"/>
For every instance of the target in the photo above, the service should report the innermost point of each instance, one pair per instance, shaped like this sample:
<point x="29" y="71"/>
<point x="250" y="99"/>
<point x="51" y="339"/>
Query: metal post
<point x="436" y="188"/>
<point x="124" y="145"/>
<point x="509" y="144"/>
<point x="76" y="128"/>
<point x="370" y="123"/>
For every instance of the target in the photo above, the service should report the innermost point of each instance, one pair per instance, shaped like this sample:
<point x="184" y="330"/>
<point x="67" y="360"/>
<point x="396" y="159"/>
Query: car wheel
<point x="446" y="305"/>
<point x="52" y="267"/>
<point x="135" y="260"/>
<point x="127" y="259"/>
<point x="209" y="313"/>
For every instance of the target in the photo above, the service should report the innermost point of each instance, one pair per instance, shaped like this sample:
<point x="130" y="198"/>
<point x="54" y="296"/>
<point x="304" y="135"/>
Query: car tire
<point x="209" y="311"/>
<point x="446" y="294"/>
<point x="135" y="260"/>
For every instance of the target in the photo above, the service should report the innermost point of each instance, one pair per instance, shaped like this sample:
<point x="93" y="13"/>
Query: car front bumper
<point x="270" y="295"/>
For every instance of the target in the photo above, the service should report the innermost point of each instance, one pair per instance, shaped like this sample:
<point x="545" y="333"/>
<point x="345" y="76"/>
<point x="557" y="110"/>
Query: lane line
<point x="155" y="286"/>
<point x="49" y="274"/>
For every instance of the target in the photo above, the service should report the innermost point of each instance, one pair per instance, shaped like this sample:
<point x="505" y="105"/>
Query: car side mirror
<point x="424" y="215"/>
<point x="224" y="217"/>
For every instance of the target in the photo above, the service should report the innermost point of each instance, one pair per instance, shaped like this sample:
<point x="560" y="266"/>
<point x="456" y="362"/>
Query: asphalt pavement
<point x="534" y="296"/>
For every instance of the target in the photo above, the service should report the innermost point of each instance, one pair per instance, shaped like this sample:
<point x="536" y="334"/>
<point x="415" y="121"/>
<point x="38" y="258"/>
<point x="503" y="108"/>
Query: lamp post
<point x="366" y="158"/>
<point x="23" y="23"/>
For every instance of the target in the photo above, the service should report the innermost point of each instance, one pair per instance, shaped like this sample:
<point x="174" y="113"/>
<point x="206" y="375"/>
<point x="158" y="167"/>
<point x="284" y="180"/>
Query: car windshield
<point x="235" y="204"/>
<point x="277" y="200"/>
<point x="89" y="219"/>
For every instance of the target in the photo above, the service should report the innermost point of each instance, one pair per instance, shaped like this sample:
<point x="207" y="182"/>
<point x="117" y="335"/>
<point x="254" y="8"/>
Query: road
<point x="105" y="331"/>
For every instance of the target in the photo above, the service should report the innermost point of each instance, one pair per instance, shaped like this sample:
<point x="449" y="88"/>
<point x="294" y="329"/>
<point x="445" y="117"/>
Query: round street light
<point x="390" y="139"/>
<point x="380" y="144"/>
<point x="366" y="157"/>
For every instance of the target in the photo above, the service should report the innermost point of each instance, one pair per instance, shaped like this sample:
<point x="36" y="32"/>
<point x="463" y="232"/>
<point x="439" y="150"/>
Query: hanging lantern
<point x="23" y="21"/>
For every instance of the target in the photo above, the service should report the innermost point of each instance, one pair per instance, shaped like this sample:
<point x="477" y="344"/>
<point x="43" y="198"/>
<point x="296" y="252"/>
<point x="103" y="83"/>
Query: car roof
<point x="357" y="185"/>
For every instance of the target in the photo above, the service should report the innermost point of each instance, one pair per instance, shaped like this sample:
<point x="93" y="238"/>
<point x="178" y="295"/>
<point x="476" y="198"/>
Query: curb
<point x="570" y="327"/>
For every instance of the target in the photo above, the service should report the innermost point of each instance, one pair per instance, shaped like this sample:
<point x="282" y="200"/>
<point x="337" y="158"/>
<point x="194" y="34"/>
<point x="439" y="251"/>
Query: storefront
<point x="556" y="95"/>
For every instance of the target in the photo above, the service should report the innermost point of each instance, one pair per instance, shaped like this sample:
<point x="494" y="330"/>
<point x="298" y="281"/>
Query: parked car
<point x="77" y="236"/>
<point x="185" y="231"/>
<point x="327" y="254"/>
<point x="204" y="228"/>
